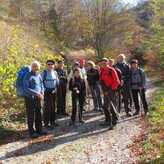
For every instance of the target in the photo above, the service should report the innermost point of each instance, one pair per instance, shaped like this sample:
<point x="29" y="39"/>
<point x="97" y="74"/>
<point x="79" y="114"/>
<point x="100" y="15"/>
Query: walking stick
<point x="141" y="105"/>
<point x="115" y="110"/>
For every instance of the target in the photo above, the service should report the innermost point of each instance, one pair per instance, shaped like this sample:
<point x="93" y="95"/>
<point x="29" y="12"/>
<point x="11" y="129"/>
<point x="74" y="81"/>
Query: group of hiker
<point x="47" y="91"/>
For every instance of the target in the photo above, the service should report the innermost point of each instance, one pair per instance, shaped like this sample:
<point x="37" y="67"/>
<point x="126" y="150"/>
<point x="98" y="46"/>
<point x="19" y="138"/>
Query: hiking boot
<point x="105" y="124"/>
<point x="114" y="122"/>
<point x="72" y="123"/>
<point x="129" y="109"/>
<point x="84" y="110"/>
<point x="101" y="110"/>
<point x="136" y="113"/>
<point x="128" y="115"/>
<point x="82" y="121"/>
<point x="110" y="128"/>
<point x="55" y="124"/>
<point x="64" y="114"/>
<point x="34" y="135"/>
<point x="46" y="126"/>
<point x="51" y="127"/>
<point x="146" y="114"/>
<point x="95" y="109"/>
<point x="145" y="111"/>
<point x="42" y="133"/>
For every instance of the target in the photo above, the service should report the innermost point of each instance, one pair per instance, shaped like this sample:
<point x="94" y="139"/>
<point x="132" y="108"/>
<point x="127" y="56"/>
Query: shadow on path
<point x="61" y="135"/>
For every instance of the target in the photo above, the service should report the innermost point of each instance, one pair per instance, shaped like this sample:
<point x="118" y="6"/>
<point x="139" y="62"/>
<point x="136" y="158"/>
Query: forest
<point x="59" y="29"/>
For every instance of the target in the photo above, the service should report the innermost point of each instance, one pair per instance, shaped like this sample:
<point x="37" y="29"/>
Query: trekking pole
<point x="119" y="99"/>
<point x="140" y="102"/>
<point x="115" y="110"/>
<point x="132" y="101"/>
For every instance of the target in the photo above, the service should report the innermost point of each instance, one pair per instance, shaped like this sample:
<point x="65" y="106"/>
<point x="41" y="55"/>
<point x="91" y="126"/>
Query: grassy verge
<point x="12" y="121"/>
<point x="153" y="146"/>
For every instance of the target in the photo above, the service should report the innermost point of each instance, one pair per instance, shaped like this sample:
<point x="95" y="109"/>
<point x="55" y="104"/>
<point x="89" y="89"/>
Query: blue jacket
<point x="50" y="79"/>
<point x="33" y="84"/>
<point x="137" y="78"/>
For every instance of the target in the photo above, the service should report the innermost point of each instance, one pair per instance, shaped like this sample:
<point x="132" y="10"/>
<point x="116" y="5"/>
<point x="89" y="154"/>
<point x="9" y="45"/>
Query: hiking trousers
<point x="61" y="99"/>
<point x="33" y="110"/>
<point x="126" y="97"/>
<point x="77" y="105"/>
<point x="49" y="107"/>
<point x="110" y="115"/>
<point x="136" y="93"/>
<point x="96" y="95"/>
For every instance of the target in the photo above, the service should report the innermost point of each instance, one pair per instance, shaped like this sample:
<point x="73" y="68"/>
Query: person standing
<point x="82" y="63"/>
<point x="75" y="65"/>
<point x="119" y="73"/>
<point x="62" y="89"/>
<point x="138" y="82"/>
<point x="83" y="72"/>
<point x="77" y="86"/>
<point x="118" y="91"/>
<point x="125" y="70"/>
<point x="93" y="81"/>
<point x="109" y="82"/>
<point x="34" y="94"/>
<point x="50" y="82"/>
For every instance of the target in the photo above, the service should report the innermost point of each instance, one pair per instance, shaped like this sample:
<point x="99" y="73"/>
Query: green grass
<point x="154" y="144"/>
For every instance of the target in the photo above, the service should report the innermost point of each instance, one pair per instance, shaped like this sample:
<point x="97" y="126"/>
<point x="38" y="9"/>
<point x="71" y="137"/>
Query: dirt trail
<point x="88" y="143"/>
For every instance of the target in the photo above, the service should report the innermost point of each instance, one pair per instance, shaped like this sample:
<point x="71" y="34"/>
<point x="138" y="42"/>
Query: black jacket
<point x="93" y="76"/>
<point x="125" y="70"/>
<point x="62" y="75"/>
<point x="77" y="84"/>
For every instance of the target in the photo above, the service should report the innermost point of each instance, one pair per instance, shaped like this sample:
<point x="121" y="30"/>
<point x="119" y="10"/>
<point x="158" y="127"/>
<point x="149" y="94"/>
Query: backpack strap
<point x="44" y="75"/>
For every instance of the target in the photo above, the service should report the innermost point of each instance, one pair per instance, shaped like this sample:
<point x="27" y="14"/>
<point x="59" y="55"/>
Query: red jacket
<point x="109" y="77"/>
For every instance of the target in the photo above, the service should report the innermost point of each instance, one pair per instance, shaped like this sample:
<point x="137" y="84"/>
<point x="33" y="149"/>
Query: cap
<point x="50" y="61"/>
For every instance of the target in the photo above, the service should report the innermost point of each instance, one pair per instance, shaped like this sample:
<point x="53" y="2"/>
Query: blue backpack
<point x="19" y="82"/>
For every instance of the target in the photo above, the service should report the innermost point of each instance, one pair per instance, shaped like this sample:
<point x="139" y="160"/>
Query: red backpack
<point x="110" y="77"/>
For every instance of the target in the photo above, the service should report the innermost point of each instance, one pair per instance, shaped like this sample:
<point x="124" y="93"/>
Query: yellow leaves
<point x="36" y="46"/>
<point x="19" y="47"/>
<point x="110" y="53"/>
<point x="8" y="77"/>
<point x="3" y="26"/>
<point x="90" y="52"/>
